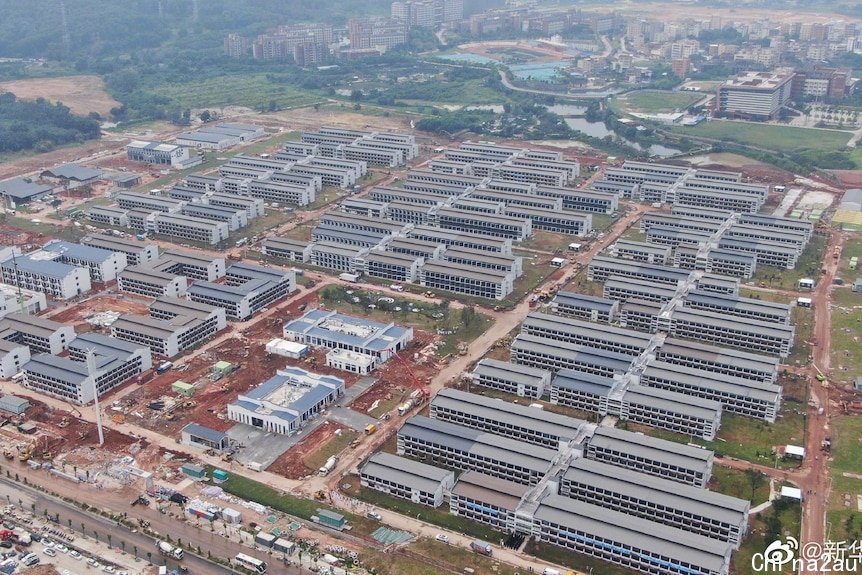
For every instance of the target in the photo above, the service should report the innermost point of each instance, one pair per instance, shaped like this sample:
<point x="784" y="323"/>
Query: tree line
<point x="40" y="125"/>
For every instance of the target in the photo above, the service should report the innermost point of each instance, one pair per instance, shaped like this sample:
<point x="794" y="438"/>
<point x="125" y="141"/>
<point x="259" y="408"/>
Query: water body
<point x="599" y="130"/>
<point x="468" y="57"/>
<point x="543" y="71"/>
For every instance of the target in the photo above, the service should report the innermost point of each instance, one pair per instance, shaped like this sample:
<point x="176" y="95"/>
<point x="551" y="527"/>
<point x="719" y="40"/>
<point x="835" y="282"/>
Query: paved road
<point x="160" y="523"/>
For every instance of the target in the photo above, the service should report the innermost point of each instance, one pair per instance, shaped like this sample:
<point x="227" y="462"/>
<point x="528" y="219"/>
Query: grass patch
<point x="784" y="517"/>
<point x="439" y="516"/>
<point x="803" y="320"/>
<point x="567" y="558"/>
<point x="455" y="325"/>
<point x="749" y="439"/>
<point x="251" y="90"/>
<point x="654" y="102"/>
<point x="769" y="137"/>
<point x="550" y="242"/>
<point x="846" y="333"/>
<point x="765" y="295"/>
<point x="333" y="447"/>
<point x="256" y="227"/>
<point x="429" y="557"/>
<point x="546" y="405"/>
<point x="749" y="484"/>
<point x="844" y="521"/>
<point x="808" y="266"/>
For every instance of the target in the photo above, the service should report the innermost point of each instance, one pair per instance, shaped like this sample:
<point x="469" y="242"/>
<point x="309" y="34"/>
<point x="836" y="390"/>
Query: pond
<point x="599" y="130"/>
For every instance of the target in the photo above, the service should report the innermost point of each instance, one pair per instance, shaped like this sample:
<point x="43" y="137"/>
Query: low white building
<point x="351" y="361"/>
<point x="286" y="402"/>
<point x="286" y="348"/>
<point x="41" y="272"/>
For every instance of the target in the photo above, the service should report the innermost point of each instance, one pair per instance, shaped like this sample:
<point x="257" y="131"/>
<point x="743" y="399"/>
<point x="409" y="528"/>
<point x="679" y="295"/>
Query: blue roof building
<point x="287" y="401"/>
<point x="329" y="329"/>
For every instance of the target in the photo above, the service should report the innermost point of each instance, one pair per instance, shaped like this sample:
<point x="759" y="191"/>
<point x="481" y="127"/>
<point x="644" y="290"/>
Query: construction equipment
<point x="419" y="385"/>
<point x="118" y="418"/>
<point x="320" y="495"/>
<point x="24" y="454"/>
<point x="64" y="422"/>
<point x="7" y="453"/>
<point x="370" y="428"/>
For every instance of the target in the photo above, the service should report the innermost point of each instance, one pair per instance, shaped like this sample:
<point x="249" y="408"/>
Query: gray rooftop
<point x="510" y="414"/>
<point x="405" y="471"/>
<point x="489" y="489"/>
<point x="509" y="371"/>
<point x="635" y="533"/>
<point x="652" y="448"/>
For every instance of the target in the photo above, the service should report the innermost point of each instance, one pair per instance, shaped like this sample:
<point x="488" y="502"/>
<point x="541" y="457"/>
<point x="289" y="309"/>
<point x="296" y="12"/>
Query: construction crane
<point x="419" y="385"/>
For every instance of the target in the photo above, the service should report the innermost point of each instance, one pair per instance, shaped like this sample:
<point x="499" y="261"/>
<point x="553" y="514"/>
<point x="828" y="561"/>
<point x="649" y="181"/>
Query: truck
<point x="328" y="466"/>
<point x="169" y="550"/>
<point x="254" y="466"/>
<point x="481" y="547"/>
<point x="166" y="366"/>
<point x="352" y="278"/>
<point x="370" y="428"/>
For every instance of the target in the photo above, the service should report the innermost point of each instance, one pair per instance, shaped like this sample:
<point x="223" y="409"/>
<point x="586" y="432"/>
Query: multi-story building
<point x="757" y="95"/>
<point x="191" y="228"/>
<point x="286" y="248"/>
<point x="402" y="477"/>
<point x="553" y="355"/>
<point x="382" y="34"/>
<point x="392" y="266"/>
<point x="69" y="378"/>
<point x="173" y="326"/>
<point x="194" y="266"/>
<point x="487" y="499"/>
<point x="526" y="424"/>
<point x="137" y="253"/>
<point x="667" y="459"/>
<point x="179" y="157"/>
<point x="41" y="272"/>
<point x="740" y="332"/>
<point x="685" y="507"/>
<point x="519" y="380"/>
<point x="581" y="332"/>
<point x="40" y="334"/>
<point x="463" y="448"/>
<point x="247" y="289"/>
<point x="737" y="395"/>
<point x="103" y="264"/>
<point x="466" y="279"/>
<point x="151" y="283"/>
<point x="575" y="305"/>
<point x="632" y="542"/>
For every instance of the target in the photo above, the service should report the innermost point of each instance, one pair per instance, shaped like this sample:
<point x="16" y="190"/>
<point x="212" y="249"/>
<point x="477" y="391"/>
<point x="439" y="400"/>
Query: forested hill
<point x="109" y="28"/>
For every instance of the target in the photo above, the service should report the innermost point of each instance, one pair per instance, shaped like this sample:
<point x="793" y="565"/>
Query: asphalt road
<point x="144" y="543"/>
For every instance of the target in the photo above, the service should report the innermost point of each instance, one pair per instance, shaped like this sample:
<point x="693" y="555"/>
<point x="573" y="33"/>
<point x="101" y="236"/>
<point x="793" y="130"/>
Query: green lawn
<point x="333" y="447"/>
<point x="768" y="136"/>
<point x="845" y="521"/>
<point x="846" y="336"/>
<point x="852" y="247"/>
<point x="803" y="321"/>
<point x="439" y="516"/>
<point x="465" y="324"/>
<point x="583" y="563"/>
<point x="750" y="485"/>
<point x="654" y="102"/>
<point x="783" y="518"/>
<point x="750" y="439"/>
<point x="251" y="90"/>
<point x="807" y="266"/>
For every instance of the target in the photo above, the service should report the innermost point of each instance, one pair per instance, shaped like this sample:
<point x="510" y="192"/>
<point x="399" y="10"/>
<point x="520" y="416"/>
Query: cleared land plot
<point x="769" y="137"/>
<point x="655" y="102"/>
<point x="803" y="321"/>
<point x="429" y="557"/>
<point x="843" y="514"/>
<point x="254" y="91"/>
<point x="582" y="563"/>
<point x="82" y="94"/>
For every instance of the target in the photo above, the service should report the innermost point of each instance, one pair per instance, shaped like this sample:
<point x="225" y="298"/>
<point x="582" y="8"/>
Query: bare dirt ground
<point x="394" y="381"/>
<point x="26" y="240"/>
<point x="82" y="94"/>
<point x="849" y="178"/>
<point x="291" y="463"/>
<point x="309" y="119"/>
<point x="79" y="312"/>
<point x="38" y="162"/>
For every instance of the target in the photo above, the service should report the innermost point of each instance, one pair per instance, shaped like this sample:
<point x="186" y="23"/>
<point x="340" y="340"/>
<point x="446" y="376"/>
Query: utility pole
<point x="67" y="41"/>
<point x="91" y="371"/>
<point x="18" y="283"/>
